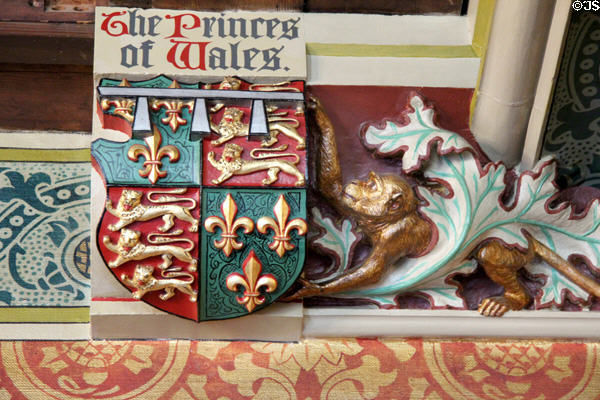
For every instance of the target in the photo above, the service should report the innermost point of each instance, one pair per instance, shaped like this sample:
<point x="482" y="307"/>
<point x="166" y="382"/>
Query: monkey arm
<point x="329" y="172"/>
<point x="369" y="272"/>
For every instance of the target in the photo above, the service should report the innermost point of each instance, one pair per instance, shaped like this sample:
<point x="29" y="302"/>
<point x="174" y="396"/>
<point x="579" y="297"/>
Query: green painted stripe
<point x="44" y="155"/>
<point x="45" y="314"/>
<point x="381" y="50"/>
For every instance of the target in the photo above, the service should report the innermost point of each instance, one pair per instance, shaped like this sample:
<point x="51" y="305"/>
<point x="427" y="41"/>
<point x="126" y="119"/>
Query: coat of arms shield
<point x="205" y="213"/>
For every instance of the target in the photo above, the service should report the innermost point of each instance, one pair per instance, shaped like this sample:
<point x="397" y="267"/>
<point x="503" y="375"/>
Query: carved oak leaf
<point x="392" y="139"/>
<point x="473" y="211"/>
<point x="337" y="242"/>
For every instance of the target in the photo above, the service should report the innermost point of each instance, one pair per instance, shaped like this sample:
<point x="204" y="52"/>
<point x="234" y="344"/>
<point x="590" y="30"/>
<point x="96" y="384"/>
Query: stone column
<point x="510" y="74"/>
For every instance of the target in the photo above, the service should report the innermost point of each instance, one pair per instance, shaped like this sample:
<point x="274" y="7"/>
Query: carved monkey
<point x="385" y="208"/>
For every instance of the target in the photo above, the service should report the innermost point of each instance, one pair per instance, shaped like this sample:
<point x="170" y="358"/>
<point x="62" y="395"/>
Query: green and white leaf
<point x="475" y="212"/>
<point x="338" y="242"/>
<point x="420" y="131"/>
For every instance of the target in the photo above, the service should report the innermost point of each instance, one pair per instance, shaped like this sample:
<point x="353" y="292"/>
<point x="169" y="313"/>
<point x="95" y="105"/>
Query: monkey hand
<point x="313" y="102"/>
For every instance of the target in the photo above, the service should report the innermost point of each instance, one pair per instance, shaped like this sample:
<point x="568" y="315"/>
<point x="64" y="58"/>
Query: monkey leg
<point x="501" y="265"/>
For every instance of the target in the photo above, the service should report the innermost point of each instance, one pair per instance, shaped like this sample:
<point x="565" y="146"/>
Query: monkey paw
<point x="494" y="306"/>
<point x="313" y="102"/>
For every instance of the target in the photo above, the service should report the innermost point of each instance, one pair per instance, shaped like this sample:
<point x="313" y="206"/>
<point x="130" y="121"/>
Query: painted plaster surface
<point x="44" y="228"/>
<point x="44" y="232"/>
<point x="315" y="369"/>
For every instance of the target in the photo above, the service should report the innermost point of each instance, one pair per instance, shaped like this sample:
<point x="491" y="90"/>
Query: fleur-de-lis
<point x="123" y="107"/>
<point x="174" y="109"/>
<point x="228" y="226"/>
<point x="282" y="228"/>
<point x="252" y="282"/>
<point x="153" y="154"/>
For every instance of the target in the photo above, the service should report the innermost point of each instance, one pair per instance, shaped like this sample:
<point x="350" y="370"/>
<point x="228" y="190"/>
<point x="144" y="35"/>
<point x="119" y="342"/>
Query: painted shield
<point x="205" y="213"/>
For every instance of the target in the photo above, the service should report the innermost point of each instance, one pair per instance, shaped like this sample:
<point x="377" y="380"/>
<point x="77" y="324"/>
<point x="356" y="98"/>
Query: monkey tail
<point x="163" y="238"/>
<point x="254" y="154"/>
<point x="563" y="266"/>
<point x="171" y="199"/>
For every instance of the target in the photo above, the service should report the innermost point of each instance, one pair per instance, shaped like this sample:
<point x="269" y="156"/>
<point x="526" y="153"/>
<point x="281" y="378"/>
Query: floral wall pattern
<point x="312" y="369"/>
<point x="573" y="130"/>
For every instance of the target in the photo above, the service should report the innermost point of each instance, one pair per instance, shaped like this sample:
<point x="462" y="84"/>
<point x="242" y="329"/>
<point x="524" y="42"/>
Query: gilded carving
<point x="231" y="126"/>
<point x="253" y="283"/>
<point x="384" y="207"/>
<point x="143" y="281"/>
<point x="129" y="209"/>
<point x="123" y="107"/>
<point x="274" y="87"/>
<point x="280" y="122"/>
<point x="281" y="227"/>
<point x="229" y="226"/>
<point x="153" y="153"/>
<point x="173" y="108"/>
<point x="386" y="210"/>
<point x="231" y="164"/>
<point x="129" y="247"/>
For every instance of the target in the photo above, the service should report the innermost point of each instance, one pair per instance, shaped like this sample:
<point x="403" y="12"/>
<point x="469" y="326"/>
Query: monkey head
<point x="386" y="196"/>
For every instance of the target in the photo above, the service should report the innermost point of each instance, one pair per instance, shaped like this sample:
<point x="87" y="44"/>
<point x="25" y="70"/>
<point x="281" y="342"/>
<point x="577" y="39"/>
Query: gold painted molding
<point x="72" y="155"/>
<point x="373" y="50"/>
<point x="481" y="36"/>
<point x="44" y="314"/>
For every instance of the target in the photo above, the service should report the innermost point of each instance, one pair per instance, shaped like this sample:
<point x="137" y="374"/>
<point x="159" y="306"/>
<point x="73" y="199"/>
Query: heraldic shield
<point x="205" y="213"/>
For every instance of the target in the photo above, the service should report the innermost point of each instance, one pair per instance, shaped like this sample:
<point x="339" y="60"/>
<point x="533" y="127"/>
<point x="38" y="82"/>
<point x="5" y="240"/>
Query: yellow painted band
<point x="483" y="22"/>
<point x="45" y="314"/>
<point x="380" y="50"/>
<point x="12" y="154"/>
<point x="481" y="37"/>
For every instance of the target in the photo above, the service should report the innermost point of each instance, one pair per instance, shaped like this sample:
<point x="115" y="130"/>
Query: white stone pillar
<point x="510" y="74"/>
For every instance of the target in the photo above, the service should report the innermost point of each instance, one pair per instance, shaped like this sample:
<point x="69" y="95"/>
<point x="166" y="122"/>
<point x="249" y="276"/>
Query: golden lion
<point x="129" y="248"/>
<point x="231" y="164"/>
<point x="129" y="210"/>
<point x="144" y="281"/>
